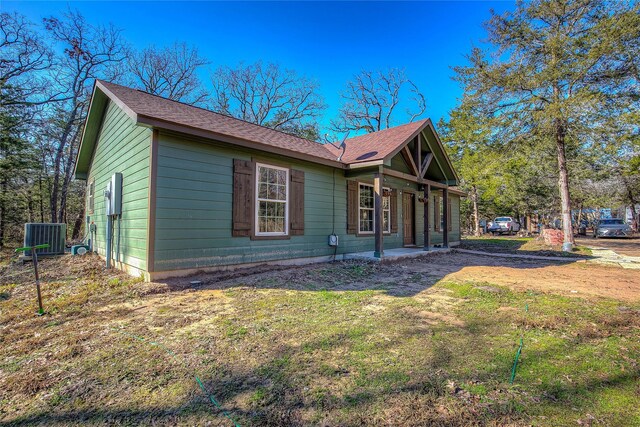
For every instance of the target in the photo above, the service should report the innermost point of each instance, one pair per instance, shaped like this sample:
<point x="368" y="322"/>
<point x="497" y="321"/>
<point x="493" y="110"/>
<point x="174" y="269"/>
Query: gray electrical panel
<point x="113" y="195"/>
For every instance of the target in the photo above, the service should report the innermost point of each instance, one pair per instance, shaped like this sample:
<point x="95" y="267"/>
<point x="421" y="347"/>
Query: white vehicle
<point x="504" y="224"/>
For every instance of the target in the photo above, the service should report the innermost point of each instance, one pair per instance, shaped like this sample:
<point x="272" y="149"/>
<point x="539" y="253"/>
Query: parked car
<point x="503" y="224"/>
<point x="614" y="227"/>
<point x="582" y="227"/>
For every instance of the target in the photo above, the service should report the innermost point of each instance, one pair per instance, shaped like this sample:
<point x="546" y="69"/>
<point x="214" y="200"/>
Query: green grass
<point x="502" y="241"/>
<point x="310" y="353"/>
<point x="521" y="245"/>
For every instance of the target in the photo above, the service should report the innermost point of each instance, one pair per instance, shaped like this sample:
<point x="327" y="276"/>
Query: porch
<point x="403" y="194"/>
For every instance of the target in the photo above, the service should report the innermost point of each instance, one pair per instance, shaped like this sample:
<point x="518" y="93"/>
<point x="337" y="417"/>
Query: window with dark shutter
<point x="352" y="207"/>
<point x="272" y="201"/>
<point x="449" y="214"/>
<point x="297" y="203"/>
<point x="242" y="197"/>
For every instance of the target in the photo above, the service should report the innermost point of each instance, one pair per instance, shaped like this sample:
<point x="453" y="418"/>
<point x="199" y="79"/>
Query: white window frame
<point x="388" y="231"/>
<point x="259" y="199"/>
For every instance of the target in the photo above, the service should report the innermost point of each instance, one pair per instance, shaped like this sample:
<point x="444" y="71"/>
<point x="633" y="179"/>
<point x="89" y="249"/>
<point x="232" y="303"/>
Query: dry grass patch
<point x="336" y="344"/>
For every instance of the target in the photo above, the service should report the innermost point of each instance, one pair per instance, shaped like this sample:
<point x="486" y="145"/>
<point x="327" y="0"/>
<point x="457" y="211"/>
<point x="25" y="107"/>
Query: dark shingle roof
<point x="156" y="107"/>
<point x="364" y="148"/>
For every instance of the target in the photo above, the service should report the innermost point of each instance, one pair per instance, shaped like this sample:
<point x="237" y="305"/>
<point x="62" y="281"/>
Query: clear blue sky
<point x="329" y="42"/>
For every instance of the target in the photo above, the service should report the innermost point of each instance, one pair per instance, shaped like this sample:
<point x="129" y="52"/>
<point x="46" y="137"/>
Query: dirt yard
<point x="560" y="278"/>
<point x="428" y="341"/>
<point x="568" y="278"/>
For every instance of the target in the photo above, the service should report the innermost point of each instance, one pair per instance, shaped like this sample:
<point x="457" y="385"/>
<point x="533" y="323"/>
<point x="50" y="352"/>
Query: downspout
<point x="108" y="241"/>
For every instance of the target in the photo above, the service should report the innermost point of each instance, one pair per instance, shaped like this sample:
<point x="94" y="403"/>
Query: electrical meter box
<point x="333" y="240"/>
<point x="113" y="195"/>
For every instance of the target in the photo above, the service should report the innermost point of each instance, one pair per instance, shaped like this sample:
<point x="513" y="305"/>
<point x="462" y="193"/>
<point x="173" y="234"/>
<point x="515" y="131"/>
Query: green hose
<point x="515" y="362"/>
<point x="212" y="399"/>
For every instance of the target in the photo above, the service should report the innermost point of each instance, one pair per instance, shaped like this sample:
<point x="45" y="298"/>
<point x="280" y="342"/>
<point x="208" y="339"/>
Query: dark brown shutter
<point x="394" y="210"/>
<point x="352" y="207"/>
<point x="296" y="203"/>
<point x="436" y="213"/>
<point x="243" y="182"/>
<point x="449" y="216"/>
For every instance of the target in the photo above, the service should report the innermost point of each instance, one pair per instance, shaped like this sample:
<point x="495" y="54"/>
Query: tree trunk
<point x="77" y="226"/>
<point x="633" y="202"/>
<point x="563" y="184"/>
<point x="579" y="220"/>
<point x="41" y="197"/>
<point x="57" y="163"/>
<point x="476" y="214"/>
<point x="3" y="213"/>
<point x="68" y="170"/>
<point x="30" y="204"/>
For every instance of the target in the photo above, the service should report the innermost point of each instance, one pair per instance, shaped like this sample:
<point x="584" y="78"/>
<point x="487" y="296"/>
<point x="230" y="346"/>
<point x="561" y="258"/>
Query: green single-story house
<point x="201" y="191"/>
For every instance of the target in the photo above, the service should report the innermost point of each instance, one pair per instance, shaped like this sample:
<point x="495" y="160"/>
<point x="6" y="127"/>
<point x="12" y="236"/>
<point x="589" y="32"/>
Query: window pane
<point x="386" y="202"/>
<point x="271" y="209"/>
<point x="271" y="217"/>
<point x="385" y="221"/>
<point x="263" y="174"/>
<point x="282" y="192"/>
<point x="262" y="191"/>
<point x="366" y="220"/>
<point x="282" y="177"/>
<point x="366" y="196"/>
<point x="272" y="192"/>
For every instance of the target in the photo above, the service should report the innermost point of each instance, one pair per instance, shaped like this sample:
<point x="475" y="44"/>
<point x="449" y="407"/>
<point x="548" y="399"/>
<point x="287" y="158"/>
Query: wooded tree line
<point x="47" y="70"/>
<point x="548" y="120"/>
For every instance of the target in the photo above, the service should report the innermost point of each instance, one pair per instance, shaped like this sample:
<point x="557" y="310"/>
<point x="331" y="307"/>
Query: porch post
<point x="445" y="212"/>
<point x="378" y="220"/>
<point x="427" y="205"/>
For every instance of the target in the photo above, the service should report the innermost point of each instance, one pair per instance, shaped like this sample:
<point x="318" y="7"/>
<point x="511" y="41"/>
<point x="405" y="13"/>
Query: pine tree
<point x="558" y="69"/>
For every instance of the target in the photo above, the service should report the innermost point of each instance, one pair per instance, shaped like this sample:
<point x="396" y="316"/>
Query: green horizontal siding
<point x="194" y="209"/>
<point x="194" y="202"/>
<point x="122" y="147"/>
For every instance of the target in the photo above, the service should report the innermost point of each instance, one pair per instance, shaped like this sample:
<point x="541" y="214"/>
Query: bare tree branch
<point x="270" y="96"/>
<point x="372" y="98"/>
<point x="89" y="53"/>
<point x="23" y="59"/>
<point x="171" y="72"/>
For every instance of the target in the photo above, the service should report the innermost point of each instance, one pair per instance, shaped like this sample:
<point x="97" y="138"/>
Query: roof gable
<point x="383" y="145"/>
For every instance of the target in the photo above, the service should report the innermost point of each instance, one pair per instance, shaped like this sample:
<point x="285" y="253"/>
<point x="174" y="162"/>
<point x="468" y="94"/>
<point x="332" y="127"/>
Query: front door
<point x="408" y="205"/>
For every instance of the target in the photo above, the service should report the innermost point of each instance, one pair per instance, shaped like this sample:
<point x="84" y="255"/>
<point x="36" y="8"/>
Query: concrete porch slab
<point x="395" y="254"/>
